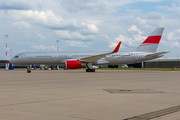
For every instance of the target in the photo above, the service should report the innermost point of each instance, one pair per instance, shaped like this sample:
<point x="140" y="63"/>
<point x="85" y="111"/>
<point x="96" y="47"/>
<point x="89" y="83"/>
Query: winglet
<point x="117" y="48"/>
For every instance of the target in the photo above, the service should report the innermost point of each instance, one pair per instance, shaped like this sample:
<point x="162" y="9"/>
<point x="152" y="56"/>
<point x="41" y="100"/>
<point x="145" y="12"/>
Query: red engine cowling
<point x="73" y="64"/>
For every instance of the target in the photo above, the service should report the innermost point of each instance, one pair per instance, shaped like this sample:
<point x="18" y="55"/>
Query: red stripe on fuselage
<point x="152" y="40"/>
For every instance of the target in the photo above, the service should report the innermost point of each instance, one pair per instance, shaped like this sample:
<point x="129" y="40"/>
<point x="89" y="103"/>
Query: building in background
<point x="155" y="63"/>
<point x="162" y="63"/>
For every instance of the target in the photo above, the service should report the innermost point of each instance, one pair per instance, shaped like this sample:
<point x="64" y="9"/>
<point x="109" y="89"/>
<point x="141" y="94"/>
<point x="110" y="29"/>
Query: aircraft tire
<point x="88" y="70"/>
<point x="92" y="70"/>
<point x="28" y="71"/>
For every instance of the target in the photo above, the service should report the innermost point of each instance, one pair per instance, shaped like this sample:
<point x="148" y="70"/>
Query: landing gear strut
<point x="88" y="68"/>
<point x="29" y="69"/>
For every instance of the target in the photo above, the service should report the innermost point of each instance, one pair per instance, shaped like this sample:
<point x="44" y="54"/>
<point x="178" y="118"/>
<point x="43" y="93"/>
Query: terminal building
<point x="2" y="63"/>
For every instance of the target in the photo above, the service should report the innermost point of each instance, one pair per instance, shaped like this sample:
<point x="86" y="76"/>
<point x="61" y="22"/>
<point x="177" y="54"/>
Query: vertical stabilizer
<point x="152" y="42"/>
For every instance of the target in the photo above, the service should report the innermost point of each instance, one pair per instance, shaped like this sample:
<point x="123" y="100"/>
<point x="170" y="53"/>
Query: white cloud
<point x="140" y="20"/>
<point x="178" y="30"/>
<point x="170" y="36"/>
<point x="22" y="24"/>
<point x="153" y="15"/>
<point x="125" y="40"/>
<point x="41" y="36"/>
<point x="64" y="34"/>
<point x="42" y="47"/>
<point x="174" y="7"/>
<point x="76" y="43"/>
<point x="134" y="28"/>
<point x="98" y="6"/>
<point x="137" y="38"/>
<point x="93" y="6"/>
<point x="44" y="18"/>
<point x="114" y="44"/>
<point x="14" y="5"/>
<point x="8" y="49"/>
<point x="174" y="35"/>
<point x="175" y="44"/>
<point x="170" y="43"/>
<point x="91" y="27"/>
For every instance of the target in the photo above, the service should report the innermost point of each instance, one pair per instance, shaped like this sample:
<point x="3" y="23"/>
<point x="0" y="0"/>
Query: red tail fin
<point x="151" y="43"/>
<point x="152" y="40"/>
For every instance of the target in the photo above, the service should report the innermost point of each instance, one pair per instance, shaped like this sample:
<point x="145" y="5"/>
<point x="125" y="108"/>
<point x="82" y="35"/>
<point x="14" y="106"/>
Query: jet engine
<point x="73" y="64"/>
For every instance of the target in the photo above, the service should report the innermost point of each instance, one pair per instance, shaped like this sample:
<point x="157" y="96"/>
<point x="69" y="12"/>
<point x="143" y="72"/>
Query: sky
<point x="87" y="25"/>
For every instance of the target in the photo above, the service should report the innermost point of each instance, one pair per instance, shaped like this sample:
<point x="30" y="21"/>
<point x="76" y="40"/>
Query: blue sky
<point x="83" y="25"/>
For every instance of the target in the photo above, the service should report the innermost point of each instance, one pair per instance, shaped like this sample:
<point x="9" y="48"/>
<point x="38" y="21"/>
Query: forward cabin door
<point x="55" y="56"/>
<point x="25" y="56"/>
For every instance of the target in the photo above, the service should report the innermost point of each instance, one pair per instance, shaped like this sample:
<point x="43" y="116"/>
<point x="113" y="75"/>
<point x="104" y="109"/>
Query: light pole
<point x="178" y="61"/>
<point x="10" y="53"/>
<point x="57" y="45"/>
<point x="57" y="50"/>
<point x="6" y="68"/>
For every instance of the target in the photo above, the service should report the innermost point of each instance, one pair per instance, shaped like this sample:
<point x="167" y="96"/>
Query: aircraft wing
<point x="155" y="54"/>
<point x="95" y="58"/>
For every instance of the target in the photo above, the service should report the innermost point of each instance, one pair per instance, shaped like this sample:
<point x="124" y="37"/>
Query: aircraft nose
<point x="11" y="61"/>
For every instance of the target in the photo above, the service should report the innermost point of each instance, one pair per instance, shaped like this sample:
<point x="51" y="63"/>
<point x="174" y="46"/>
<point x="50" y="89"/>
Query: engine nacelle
<point x="73" y="64"/>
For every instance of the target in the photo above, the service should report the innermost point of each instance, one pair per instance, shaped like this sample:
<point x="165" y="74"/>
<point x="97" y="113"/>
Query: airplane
<point x="75" y="60"/>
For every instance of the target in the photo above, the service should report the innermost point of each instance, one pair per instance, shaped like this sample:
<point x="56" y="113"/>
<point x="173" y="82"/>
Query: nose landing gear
<point x="29" y="69"/>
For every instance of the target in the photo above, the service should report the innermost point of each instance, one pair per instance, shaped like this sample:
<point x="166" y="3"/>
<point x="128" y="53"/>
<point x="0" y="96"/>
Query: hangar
<point x="162" y="63"/>
<point x="155" y="63"/>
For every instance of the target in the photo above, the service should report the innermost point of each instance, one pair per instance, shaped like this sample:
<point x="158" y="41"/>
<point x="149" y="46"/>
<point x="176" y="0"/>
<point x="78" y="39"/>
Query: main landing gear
<point x="89" y="66"/>
<point x="90" y="70"/>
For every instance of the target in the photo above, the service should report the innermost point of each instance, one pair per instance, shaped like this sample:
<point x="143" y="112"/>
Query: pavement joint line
<point x="166" y="86"/>
<point x="156" y="114"/>
<point x="132" y="91"/>
<point x="67" y="82"/>
<point x="32" y="102"/>
<point x="80" y="118"/>
<point x="47" y="113"/>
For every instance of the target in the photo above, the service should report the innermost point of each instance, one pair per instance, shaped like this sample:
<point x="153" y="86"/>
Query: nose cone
<point x="11" y="61"/>
<point x="17" y="59"/>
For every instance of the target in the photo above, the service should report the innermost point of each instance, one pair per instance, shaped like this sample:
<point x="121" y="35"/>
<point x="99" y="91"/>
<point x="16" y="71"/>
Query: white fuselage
<point x="38" y="58"/>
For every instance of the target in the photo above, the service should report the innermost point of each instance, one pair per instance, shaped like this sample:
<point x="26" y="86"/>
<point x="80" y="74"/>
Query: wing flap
<point x="156" y="54"/>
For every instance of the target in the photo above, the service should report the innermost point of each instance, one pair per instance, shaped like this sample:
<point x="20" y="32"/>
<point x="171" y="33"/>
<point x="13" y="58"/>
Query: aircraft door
<point x="137" y="56"/>
<point x="25" y="56"/>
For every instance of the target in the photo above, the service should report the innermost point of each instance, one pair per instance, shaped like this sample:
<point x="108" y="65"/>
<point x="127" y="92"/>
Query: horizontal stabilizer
<point x="156" y="54"/>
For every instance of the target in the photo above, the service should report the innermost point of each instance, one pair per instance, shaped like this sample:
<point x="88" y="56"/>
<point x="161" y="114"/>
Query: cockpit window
<point x="16" y="56"/>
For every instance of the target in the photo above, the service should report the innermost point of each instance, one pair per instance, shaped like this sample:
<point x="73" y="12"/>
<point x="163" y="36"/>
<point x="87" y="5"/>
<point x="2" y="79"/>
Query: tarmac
<point x="78" y="95"/>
